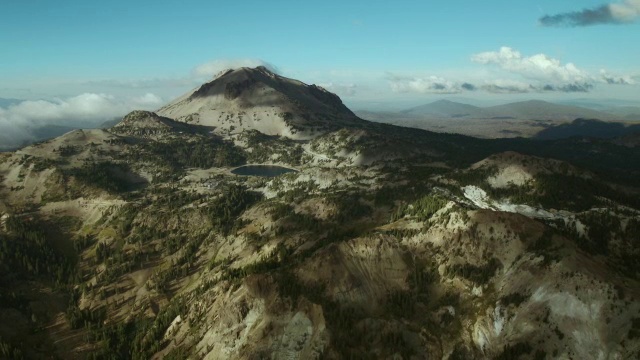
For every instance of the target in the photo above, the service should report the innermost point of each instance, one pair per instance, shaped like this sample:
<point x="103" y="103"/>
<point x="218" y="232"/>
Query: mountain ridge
<point x="446" y="108"/>
<point x="140" y="242"/>
<point x="528" y="109"/>
<point x="257" y="98"/>
<point x="511" y="120"/>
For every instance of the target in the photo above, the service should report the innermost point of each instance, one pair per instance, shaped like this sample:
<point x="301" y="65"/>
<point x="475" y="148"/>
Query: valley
<point x="141" y="241"/>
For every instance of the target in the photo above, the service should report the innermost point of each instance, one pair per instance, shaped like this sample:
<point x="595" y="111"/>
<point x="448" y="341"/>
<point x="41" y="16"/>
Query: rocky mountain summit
<point x="382" y="242"/>
<point x="256" y="98"/>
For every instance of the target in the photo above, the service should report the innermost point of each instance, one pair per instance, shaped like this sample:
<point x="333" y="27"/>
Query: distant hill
<point x="543" y="110"/>
<point x="630" y="113"/>
<point x="523" y="110"/>
<point x="518" y="119"/>
<point x="587" y="128"/>
<point x="447" y="109"/>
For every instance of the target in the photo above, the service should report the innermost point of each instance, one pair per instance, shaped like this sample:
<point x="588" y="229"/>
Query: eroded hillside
<point x="139" y="242"/>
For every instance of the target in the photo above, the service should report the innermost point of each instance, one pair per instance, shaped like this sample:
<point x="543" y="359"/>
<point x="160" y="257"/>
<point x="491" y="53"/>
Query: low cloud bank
<point x="424" y="85"/>
<point x="19" y="123"/>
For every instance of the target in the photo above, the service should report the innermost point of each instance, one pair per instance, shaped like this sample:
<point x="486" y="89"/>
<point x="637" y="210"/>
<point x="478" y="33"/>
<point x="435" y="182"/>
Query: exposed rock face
<point x="233" y="90"/>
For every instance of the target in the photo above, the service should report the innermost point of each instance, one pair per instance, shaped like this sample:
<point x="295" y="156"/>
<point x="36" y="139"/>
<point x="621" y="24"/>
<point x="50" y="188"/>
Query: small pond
<point x="261" y="170"/>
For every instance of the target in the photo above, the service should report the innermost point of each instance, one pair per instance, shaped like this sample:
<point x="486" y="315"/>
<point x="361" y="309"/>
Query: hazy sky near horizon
<point x="143" y="53"/>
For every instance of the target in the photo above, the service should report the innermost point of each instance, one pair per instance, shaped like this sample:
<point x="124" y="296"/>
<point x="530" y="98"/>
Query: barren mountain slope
<point x="258" y="99"/>
<point x="139" y="242"/>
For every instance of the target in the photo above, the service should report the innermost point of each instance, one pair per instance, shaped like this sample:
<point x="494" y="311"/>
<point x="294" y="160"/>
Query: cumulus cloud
<point x="438" y="85"/>
<point x="468" y="87"/>
<point x="148" y="99"/>
<point x="540" y="73"/>
<point x="615" y="79"/>
<point x="215" y="67"/>
<point x="18" y="122"/>
<point x="425" y="85"/>
<point x="613" y="13"/>
<point x="536" y="67"/>
<point x="10" y="135"/>
<point x="79" y="107"/>
<point x="503" y="86"/>
<point x="569" y="88"/>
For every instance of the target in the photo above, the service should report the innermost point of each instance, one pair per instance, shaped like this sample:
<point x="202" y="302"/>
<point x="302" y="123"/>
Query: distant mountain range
<point x="449" y="109"/>
<point x="524" y="110"/>
<point x="231" y="94"/>
<point x="151" y="240"/>
<point x="533" y="118"/>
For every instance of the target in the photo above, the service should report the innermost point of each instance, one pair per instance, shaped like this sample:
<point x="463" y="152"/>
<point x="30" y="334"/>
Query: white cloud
<point x="17" y="122"/>
<point x="541" y="73"/>
<point x="214" y="67"/>
<point x="75" y="108"/>
<point x="507" y="71"/>
<point x="10" y="134"/>
<point x="424" y="85"/>
<point x="505" y="86"/>
<point x="538" y="67"/>
<point x="626" y="11"/>
<point x="149" y="99"/>
<point x="608" y="78"/>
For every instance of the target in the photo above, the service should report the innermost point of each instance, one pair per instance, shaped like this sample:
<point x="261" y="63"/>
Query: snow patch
<point x="480" y="198"/>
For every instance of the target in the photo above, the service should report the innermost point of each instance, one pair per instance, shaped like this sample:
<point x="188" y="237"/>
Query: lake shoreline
<point x="262" y="170"/>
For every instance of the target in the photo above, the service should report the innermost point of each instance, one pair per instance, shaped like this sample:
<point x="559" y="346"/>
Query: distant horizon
<point x="612" y="103"/>
<point x="84" y="61"/>
<point x="404" y="104"/>
<point x="399" y="100"/>
<point x="61" y="124"/>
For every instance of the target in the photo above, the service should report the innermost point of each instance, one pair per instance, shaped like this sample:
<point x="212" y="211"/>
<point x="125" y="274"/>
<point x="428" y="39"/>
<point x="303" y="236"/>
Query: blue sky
<point x="370" y="53"/>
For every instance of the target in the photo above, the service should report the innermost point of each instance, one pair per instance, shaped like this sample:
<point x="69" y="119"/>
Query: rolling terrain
<point x="137" y="241"/>
<point x="530" y="119"/>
